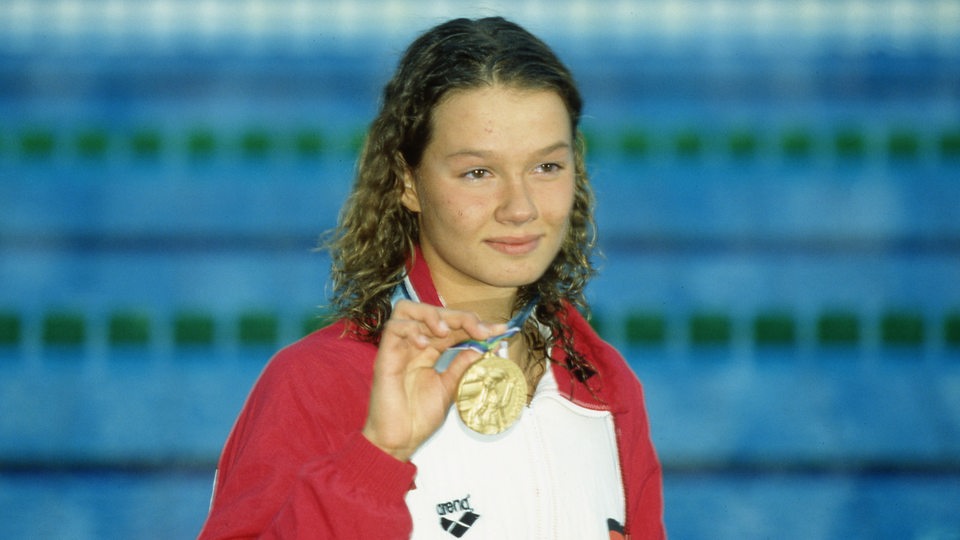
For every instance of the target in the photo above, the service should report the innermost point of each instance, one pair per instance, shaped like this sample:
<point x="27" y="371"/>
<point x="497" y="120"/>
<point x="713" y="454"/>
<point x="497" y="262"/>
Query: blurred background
<point x="779" y="208"/>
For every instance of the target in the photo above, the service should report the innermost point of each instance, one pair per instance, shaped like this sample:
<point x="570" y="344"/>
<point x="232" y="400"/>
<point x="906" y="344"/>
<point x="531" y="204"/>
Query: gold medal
<point x="491" y="395"/>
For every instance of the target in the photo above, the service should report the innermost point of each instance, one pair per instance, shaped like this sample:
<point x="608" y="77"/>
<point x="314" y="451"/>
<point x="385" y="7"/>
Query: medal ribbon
<point x="514" y="326"/>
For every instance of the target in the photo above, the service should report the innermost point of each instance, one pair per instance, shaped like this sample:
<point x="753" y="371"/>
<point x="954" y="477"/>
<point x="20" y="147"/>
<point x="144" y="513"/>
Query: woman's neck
<point x="491" y="308"/>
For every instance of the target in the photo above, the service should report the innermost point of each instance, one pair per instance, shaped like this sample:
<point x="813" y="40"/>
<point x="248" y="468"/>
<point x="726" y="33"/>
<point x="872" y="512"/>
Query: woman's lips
<point x="514" y="245"/>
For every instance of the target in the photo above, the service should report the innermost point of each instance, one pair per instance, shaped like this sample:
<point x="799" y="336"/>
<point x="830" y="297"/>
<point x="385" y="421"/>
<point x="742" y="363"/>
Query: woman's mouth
<point x="514" y="245"/>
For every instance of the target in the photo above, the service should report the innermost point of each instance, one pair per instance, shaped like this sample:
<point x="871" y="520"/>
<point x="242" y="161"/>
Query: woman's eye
<point x="549" y="167"/>
<point x="476" y="174"/>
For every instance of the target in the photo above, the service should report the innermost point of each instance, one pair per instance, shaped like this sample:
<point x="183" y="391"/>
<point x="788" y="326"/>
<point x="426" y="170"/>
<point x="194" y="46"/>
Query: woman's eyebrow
<point x="560" y="145"/>
<point x="484" y="154"/>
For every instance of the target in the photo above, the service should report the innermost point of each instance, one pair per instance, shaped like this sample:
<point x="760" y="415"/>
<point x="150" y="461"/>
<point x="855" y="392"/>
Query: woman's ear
<point x="409" y="198"/>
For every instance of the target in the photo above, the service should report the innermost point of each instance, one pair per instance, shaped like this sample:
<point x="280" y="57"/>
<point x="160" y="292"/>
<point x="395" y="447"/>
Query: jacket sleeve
<point x="645" y="482"/>
<point x="356" y="493"/>
<point x="297" y="466"/>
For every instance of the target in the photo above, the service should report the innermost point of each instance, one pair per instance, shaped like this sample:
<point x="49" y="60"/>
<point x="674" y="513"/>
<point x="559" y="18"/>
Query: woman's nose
<point x="517" y="204"/>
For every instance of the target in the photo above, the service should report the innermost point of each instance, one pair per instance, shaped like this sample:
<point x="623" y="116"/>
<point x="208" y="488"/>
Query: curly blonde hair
<point x="376" y="234"/>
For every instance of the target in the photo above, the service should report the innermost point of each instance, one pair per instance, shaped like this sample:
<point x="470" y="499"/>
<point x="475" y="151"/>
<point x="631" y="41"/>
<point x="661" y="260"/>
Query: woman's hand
<point x="410" y="399"/>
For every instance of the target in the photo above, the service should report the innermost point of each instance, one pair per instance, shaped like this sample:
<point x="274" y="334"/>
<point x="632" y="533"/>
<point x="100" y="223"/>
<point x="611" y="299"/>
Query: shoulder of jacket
<point x="615" y="379"/>
<point x="329" y="350"/>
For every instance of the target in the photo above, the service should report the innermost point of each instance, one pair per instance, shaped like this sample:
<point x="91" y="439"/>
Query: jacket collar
<point x="420" y="281"/>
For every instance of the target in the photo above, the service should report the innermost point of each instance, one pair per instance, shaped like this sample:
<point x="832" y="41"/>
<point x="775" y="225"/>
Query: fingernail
<point x="444" y="327"/>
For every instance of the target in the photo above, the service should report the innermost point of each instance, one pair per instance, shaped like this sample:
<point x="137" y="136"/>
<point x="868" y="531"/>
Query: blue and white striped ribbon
<point x="405" y="291"/>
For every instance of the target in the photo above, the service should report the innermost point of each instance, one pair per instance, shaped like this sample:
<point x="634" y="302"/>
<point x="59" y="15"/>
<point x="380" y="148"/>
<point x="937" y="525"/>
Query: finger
<point x="429" y="316"/>
<point x="440" y="321"/>
<point x="402" y="333"/>
<point x="399" y="334"/>
<point x="470" y="325"/>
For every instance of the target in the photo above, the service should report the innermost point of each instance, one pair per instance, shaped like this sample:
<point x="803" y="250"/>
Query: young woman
<point x="461" y="394"/>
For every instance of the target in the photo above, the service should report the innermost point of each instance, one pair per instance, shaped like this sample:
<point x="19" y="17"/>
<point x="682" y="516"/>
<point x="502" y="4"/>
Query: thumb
<point x="458" y="366"/>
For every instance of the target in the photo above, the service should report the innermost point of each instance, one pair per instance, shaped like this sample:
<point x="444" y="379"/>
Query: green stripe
<point x="37" y="143"/>
<point x="646" y="328"/>
<point x="710" y="329"/>
<point x="146" y="143"/>
<point x="838" y="327"/>
<point x="901" y="143"/>
<point x="11" y="331"/>
<point x="258" y="328"/>
<point x="193" y="329"/>
<point x="129" y="328"/>
<point x="92" y="143"/>
<point x="201" y="143"/>
<point x="256" y="143"/>
<point x="64" y="329"/>
<point x="951" y="330"/>
<point x="850" y="143"/>
<point x="774" y="329"/>
<point x="950" y="144"/>
<point x="902" y="329"/>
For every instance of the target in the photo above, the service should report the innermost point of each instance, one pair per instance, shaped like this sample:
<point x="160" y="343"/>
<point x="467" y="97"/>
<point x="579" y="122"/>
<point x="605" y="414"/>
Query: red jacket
<point x="296" y="465"/>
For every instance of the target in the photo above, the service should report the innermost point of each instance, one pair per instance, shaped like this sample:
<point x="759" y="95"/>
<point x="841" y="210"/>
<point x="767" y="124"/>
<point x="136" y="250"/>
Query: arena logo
<point x="457" y="526"/>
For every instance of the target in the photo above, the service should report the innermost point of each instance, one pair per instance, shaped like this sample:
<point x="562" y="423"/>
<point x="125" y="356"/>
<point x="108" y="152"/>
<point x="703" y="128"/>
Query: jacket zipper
<point x="619" y="434"/>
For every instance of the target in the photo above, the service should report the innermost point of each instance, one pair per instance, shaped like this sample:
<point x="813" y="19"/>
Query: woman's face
<point x="494" y="189"/>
